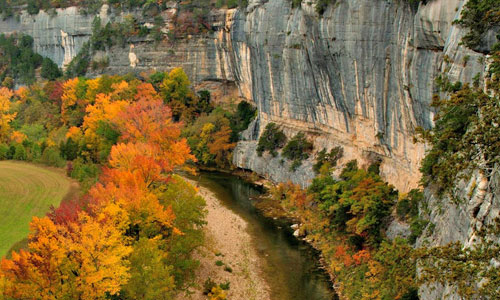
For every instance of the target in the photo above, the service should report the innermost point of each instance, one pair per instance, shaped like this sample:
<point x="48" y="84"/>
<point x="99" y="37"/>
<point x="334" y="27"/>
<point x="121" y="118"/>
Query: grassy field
<point x="26" y="190"/>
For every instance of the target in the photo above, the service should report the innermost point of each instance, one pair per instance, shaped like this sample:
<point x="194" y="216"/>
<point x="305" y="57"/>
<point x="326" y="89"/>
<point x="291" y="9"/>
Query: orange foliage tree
<point x="5" y="116"/>
<point x="85" y="250"/>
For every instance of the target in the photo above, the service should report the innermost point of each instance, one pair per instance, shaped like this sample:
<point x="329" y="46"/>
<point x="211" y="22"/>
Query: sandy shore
<point x="229" y="243"/>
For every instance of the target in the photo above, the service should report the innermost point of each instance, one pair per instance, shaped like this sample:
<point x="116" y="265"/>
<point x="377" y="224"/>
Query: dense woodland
<point x="122" y="138"/>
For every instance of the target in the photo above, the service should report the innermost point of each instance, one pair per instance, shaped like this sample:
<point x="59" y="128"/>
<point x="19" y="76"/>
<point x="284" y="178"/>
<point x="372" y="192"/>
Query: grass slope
<point x="26" y="191"/>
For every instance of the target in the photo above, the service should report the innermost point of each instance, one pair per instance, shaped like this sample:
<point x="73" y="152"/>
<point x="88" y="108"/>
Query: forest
<point x="122" y="138"/>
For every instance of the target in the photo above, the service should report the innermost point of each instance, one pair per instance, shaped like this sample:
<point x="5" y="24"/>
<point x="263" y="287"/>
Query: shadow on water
<point x="292" y="267"/>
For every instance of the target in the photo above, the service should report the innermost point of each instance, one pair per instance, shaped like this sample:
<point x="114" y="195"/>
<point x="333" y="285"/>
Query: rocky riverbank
<point x="228" y="255"/>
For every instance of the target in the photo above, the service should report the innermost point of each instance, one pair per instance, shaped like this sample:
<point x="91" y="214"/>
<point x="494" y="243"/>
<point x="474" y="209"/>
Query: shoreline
<point x="276" y="211"/>
<point x="227" y="240"/>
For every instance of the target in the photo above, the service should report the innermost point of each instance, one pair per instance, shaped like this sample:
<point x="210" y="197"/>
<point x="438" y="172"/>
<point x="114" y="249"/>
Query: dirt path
<point x="229" y="255"/>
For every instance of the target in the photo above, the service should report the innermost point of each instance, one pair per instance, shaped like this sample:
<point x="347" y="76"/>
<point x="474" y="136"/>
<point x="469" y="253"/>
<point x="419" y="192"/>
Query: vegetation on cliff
<point x="271" y="139"/>
<point x="19" y="63"/>
<point x="297" y="150"/>
<point x="466" y="139"/>
<point x="479" y="16"/>
<point x="466" y="135"/>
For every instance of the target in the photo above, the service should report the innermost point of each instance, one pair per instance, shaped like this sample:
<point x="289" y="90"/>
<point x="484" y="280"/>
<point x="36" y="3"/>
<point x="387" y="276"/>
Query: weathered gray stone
<point x="276" y="168"/>
<point x="398" y="229"/>
<point x="360" y="76"/>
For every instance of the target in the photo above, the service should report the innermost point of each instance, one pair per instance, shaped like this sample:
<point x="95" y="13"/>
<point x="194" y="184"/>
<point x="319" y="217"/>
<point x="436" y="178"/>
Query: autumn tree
<point x="80" y="260"/>
<point x="99" y="131"/>
<point x="73" y="102"/>
<point x="150" y="121"/>
<point x="132" y="235"/>
<point x="151" y="276"/>
<point x="5" y="115"/>
<point x="98" y="250"/>
<point x="175" y="86"/>
<point x="39" y="272"/>
<point x="175" y="91"/>
<point x="210" y="138"/>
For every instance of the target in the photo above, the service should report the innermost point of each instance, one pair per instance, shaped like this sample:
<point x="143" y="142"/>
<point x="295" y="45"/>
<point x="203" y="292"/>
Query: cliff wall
<point x="360" y="76"/>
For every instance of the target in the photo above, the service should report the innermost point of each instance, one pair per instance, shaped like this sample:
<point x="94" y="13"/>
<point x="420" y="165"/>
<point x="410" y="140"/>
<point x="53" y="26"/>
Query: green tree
<point x="189" y="209"/>
<point x="175" y="87"/>
<point x="151" y="276"/>
<point x="50" y="70"/>
<point x="20" y="152"/>
<point x="33" y="7"/>
<point x="271" y="139"/>
<point x="297" y="149"/>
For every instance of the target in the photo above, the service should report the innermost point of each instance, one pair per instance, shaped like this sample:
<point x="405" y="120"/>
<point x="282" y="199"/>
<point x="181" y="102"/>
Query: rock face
<point x="59" y="37"/>
<point x="479" y="205"/>
<point x="360" y="76"/>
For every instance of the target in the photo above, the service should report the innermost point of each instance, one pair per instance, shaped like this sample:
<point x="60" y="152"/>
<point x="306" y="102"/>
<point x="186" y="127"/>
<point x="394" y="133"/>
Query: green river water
<point x="291" y="266"/>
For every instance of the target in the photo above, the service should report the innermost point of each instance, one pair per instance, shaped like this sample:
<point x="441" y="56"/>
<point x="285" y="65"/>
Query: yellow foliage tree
<point x="98" y="251"/>
<point x="82" y="260"/>
<point x="5" y="115"/>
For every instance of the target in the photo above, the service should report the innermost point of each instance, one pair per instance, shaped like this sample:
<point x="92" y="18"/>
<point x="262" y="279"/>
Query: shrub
<point x="69" y="149"/>
<point x="217" y="293"/>
<point x="479" y="16"/>
<point x="80" y="63"/>
<point x="322" y="5"/>
<point x="33" y="7"/>
<point x="297" y="149"/>
<point x="244" y="114"/>
<point x="52" y="156"/>
<point x="417" y="227"/>
<point x="204" y="105"/>
<point x="271" y="139"/>
<point x="20" y="152"/>
<point x="225" y="286"/>
<point x="464" y="137"/>
<point x="375" y="167"/>
<point x="83" y="170"/>
<point x="208" y="285"/>
<point x="328" y="159"/>
<point x="411" y="294"/>
<point x="35" y="152"/>
<point x="50" y="70"/>
<point x="11" y="152"/>
<point x="408" y="206"/>
<point x="4" y="150"/>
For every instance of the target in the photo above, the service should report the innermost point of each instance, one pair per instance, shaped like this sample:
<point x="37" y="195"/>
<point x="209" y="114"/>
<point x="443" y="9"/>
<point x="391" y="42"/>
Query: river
<point x="291" y="266"/>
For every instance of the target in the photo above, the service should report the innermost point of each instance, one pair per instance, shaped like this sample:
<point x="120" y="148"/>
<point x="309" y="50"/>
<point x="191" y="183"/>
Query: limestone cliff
<point x="360" y="76"/>
<point x="462" y="221"/>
